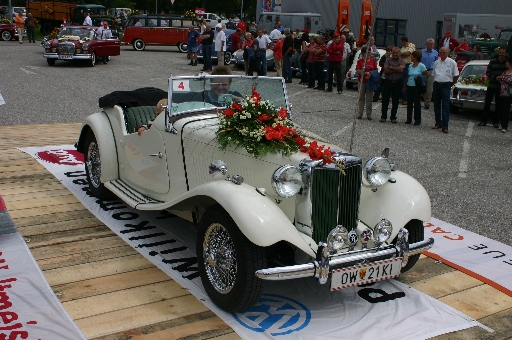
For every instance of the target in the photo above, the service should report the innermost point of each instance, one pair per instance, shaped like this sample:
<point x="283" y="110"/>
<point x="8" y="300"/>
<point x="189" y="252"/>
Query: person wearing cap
<point x="335" y="52"/>
<point x="220" y="44"/>
<point x="448" y="41"/>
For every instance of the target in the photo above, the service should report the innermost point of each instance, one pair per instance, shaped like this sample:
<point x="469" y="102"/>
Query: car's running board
<point x="131" y="196"/>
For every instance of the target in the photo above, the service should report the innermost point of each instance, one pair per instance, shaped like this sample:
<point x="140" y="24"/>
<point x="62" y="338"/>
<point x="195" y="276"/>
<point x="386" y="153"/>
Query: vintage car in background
<point x="272" y="217"/>
<point x="351" y="80"/>
<point x="470" y="89"/>
<point x="8" y="32"/>
<point x="161" y="29"/>
<point x="79" y="43"/>
<point x="228" y="55"/>
<point x="238" y="59"/>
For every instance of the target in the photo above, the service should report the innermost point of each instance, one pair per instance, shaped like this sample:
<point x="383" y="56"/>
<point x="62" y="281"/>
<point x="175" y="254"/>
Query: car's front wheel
<point x="416" y="234"/>
<point x="6" y="35"/>
<point x="92" y="160"/>
<point x="454" y="109"/>
<point x="139" y="45"/>
<point x="50" y="61"/>
<point x="349" y="85"/>
<point x="227" y="261"/>
<point x="92" y="61"/>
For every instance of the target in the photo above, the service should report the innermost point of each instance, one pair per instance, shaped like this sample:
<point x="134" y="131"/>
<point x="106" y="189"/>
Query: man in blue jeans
<point x="445" y="74"/>
<point x="207" y="41"/>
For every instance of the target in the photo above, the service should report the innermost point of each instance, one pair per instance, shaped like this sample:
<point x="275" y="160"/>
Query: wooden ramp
<point x="113" y="292"/>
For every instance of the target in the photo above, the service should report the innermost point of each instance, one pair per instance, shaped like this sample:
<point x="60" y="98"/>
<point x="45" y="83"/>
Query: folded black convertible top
<point x="146" y="96"/>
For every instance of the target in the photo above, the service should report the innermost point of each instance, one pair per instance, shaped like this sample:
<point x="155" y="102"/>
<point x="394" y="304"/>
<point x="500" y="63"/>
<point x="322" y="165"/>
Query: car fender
<point x="399" y="202"/>
<point x="99" y="124"/>
<point x="257" y="216"/>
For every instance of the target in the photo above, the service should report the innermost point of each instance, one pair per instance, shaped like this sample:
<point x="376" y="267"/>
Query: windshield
<point x="505" y="35"/>
<point x="473" y="70"/>
<point x="97" y="11"/>
<point x="197" y="93"/>
<point x="77" y="32"/>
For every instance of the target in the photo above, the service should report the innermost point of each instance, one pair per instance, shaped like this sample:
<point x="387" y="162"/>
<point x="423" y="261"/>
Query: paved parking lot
<point x="467" y="172"/>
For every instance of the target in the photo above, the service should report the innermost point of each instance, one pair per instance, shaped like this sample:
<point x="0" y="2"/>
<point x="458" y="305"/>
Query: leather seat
<point x="138" y="115"/>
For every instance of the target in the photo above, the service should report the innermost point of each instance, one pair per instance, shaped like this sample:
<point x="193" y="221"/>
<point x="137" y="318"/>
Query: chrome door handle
<point x="159" y="155"/>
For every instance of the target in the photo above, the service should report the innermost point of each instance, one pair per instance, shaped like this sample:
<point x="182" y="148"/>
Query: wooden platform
<point x="121" y="295"/>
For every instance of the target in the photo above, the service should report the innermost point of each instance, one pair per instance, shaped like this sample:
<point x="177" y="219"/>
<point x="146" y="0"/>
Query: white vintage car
<point x="467" y="92"/>
<point x="272" y="217"/>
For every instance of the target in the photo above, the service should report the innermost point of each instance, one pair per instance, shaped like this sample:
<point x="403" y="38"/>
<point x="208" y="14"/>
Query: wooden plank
<point x="44" y="240"/>
<point x="139" y="316"/>
<point x="124" y="299"/>
<point x="77" y="247"/>
<point x="425" y="267"/>
<point x="60" y="226"/>
<point x="39" y="202"/>
<point x="26" y="175"/>
<point x="106" y="284"/>
<point x="29" y="221"/>
<point x="38" y="211"/>
<point x="489" y="301"/>
<point x="446" y="284"/>
<point x="22" y="187"/>
<point x="228" y="336"/>
<point x="86" y="257"/>
<point x="93" y="270"/>
<point x="49" y="192"/>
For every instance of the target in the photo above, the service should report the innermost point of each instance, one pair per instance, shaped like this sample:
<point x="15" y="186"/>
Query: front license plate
<point x="368" y="273"/>
<point x="63" y="56"/>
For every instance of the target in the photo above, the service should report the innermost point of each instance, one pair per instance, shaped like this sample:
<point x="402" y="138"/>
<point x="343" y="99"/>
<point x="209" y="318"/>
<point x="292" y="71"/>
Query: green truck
<point x="489" y="46"/>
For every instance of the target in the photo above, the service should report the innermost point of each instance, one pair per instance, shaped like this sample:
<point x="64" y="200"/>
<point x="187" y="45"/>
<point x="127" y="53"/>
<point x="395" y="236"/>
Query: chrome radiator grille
<point x="66" y="48"/>
<point x="335" y="199"/>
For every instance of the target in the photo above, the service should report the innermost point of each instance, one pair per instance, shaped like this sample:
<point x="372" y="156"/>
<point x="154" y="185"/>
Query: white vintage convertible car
<point x="272" y="217"/>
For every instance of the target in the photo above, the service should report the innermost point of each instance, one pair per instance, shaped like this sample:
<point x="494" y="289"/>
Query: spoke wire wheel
<point x="220" y="258"/>
<point x="93" y="164"/>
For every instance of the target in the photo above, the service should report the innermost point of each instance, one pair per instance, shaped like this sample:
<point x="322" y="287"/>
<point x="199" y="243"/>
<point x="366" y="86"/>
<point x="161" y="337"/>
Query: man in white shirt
<point x="104" y="33"/>
<point x="265" y="44"/>
<point x="275" y="34"/>
<point x="445" y="74"/>
<point x="87" y="20"/>
<point x="220" y="44"/>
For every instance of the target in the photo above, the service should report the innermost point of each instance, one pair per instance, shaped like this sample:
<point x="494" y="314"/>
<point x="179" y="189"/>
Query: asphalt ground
<point x="467" y="172"/>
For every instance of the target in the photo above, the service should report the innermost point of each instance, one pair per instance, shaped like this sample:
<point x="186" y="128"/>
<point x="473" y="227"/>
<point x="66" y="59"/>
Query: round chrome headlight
<point x="337" y="239"/>
<point x="382" y="231"/>
<point x="85" y="46"/>
<point x="287" y="181"/>
<point x="377" y="171"/>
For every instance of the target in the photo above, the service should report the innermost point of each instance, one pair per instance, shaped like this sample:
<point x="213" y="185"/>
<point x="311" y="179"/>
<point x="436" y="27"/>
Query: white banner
<point x="28" y="307"/>
<point x="478" y="256"/>
<point x="297" y="309"/>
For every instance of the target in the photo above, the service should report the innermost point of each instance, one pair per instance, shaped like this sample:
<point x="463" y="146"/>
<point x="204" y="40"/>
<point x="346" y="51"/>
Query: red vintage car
<point x="8" y="32"/>
<point x="80" y="43"/>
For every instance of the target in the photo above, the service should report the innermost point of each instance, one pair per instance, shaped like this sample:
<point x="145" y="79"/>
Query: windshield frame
<point x="472" y="67"/>
<point x="171" y="116"/>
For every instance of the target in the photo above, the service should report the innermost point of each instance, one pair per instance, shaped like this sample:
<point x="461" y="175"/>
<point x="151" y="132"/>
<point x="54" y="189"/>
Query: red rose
<point x="263" y="118"/>
<point x="283" y="114"/>
<point x="237" y="106"/>
<point x="228" y="113"/>
<point x="300" y="142"/>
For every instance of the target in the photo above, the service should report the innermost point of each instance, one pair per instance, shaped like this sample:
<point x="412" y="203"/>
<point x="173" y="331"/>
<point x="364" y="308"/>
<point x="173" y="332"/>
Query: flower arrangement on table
<point x="478" y="80"/>
<point x="260" y="128"/>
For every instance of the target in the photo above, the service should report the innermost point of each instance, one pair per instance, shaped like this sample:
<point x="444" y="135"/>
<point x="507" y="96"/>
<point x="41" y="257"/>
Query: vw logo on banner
<point x="275" y="314"/>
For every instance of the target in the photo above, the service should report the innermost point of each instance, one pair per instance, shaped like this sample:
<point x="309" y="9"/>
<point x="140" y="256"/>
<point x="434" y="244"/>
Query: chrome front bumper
<point x="74" y="57"/>
<point x="325" y="263"/>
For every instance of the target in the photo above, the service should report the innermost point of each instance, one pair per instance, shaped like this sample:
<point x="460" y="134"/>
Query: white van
<point x="302" y="21"/>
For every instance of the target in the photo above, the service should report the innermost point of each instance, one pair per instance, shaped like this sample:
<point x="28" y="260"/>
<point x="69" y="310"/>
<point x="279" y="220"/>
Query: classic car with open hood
<point x="271" y="202"/>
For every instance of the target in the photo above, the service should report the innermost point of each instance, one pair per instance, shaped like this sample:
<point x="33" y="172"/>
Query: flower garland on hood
<point x="260" y="128"/>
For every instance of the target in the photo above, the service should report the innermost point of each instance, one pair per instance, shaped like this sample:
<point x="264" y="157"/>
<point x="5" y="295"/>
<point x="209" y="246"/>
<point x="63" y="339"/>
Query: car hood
<point x="200" y="148"/>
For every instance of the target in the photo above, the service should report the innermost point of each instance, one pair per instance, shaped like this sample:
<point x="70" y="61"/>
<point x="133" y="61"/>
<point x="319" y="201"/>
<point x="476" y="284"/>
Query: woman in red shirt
<point x="365" y="94"/>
